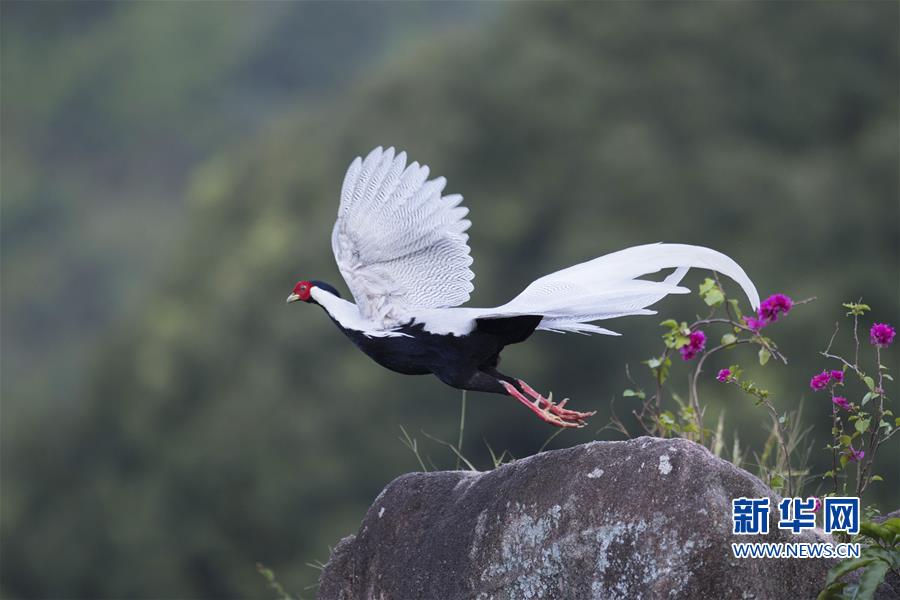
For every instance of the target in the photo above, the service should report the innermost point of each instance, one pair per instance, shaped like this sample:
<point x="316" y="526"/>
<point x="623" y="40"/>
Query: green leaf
<point x="866" y="398"/>
<point x="862" y="425"/>
<point x="870" y="579"/>
<point x="764" y="356"/>
<point x="737" y="310"/>
<point x="846" y="566"/>
<point x="886" y="376"/>
<point x="729" y="338"/>
<point x="875" y="531"/>
<point x="845" y="440"/>
<point x="832" y="592"/>
<point x="708" y="284"/>
<point x="893" y="525"/>
<point x="711" y="292"/>
<point x="670" y="323"/>
<point x="877" y="478"/>
<point x="856" y="308"/>
<point x="714" y="298"/>
<point x="660" y="367"/>
<point x="844" y="460"/>
<point x="870" y="383"/>
<point x="639" y="393"/>
<point x="776" y="482"/>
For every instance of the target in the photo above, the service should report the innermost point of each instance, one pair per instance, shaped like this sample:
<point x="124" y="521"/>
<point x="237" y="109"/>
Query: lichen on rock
<point x="584" y="522"/>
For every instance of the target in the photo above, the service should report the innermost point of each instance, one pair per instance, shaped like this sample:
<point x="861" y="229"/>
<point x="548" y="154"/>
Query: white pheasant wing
<point x="399" y="244"/>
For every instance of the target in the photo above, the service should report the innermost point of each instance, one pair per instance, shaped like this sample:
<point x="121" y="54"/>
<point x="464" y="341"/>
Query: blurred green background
<point x="169" y="170"/>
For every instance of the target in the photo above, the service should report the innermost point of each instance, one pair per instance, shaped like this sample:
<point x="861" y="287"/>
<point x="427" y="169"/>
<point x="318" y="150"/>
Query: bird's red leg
<point x="556" y="409"/>
<point x="547" y="413"/>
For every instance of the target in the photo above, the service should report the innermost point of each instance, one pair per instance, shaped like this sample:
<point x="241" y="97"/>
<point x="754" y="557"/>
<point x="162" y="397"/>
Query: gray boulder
<point x="646" y="518"/>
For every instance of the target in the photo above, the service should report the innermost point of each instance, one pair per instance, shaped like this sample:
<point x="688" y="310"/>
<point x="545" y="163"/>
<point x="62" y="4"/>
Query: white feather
<point x="402" y="249"/>
<point x="607" y="287"/>
<point x="400" y="245"/>
<point x="347" y="315"/>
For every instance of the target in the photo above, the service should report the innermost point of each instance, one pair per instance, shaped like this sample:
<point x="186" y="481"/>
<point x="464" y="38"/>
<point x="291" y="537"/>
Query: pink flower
<point x="754" y="323"/>
<point x="841" y="402"/>
<point x="881" y="335"/>
<point x="855" y="455"/>
<point x="838" y="376"/>
<point x="695" y="345"/>
<point x="724" y="375"/>
<point x="769" y="309"/>
<point x="818" y="505"/>
<point x="774" y="305"/>
<point x="818" y="382"/>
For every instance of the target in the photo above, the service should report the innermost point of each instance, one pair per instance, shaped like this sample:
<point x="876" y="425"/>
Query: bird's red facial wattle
<point x="301" y="292"/>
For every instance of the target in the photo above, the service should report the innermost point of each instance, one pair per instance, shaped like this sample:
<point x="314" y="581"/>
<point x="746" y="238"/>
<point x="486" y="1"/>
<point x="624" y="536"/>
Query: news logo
<point x="750" y="516"/>
<point x="797" y="514"/>
<point x="841" y="514"/>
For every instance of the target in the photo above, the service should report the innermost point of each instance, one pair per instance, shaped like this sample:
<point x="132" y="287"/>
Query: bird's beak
<point x="292" y="298"/>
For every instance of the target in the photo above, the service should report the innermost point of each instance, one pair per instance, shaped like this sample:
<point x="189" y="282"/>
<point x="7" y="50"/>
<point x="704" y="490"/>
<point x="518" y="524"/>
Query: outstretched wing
<point x="399" y="244"/>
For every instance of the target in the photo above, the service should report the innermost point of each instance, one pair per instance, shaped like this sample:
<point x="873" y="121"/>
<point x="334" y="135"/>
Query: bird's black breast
<point x="419" y="352"/>
<point x="409" y="355"/>
<point x="509" y="330"/>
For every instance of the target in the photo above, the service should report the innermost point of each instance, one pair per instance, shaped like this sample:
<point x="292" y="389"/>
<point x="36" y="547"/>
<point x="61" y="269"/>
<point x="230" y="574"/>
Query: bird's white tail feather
<point x="607" y="287"/>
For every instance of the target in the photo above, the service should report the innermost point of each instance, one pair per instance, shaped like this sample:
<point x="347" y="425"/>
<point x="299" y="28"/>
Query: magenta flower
<point x="855" y="455"/>
<point x="695" y="345"/>
<point x="774" y="305"/>
<point x="841" y="402"/>
<point x="769" y="309"/>
<point x="818" y="382"/>
<point x="755" y="324"/>
<point x="881" y="335"/>
<point x="724" y="375"/>
<point x="818" y="504"/>
<point x="837" y="376"/>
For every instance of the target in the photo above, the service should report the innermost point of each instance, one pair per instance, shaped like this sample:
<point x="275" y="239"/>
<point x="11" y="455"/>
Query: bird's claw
<point x="556" y="409"/>
<point x="546" y="409"/>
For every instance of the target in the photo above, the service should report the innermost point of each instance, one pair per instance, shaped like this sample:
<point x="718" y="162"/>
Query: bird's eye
<point x="303" y="288"/>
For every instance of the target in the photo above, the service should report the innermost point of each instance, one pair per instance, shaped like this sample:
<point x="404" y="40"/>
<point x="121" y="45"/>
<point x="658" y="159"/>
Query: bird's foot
<point x="546" y="409"/>
<point x="556" y="409"/>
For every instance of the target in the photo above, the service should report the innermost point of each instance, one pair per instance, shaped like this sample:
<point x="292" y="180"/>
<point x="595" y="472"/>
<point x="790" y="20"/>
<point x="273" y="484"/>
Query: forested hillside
<point x="107" y="110"/>
<point x="219" y="428"/>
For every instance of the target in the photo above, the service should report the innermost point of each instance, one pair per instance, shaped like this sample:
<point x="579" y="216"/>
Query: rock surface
<point x="646" y="518"/>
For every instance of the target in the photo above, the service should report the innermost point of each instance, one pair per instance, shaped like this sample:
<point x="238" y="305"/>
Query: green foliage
<point x="856" y="309"/>
<point x="866" y="423"/>
<point x="660" y="368"/>
<point x="711" y="292"/>
<point x="880" y="555"/>
<point x="676" y="337"/>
